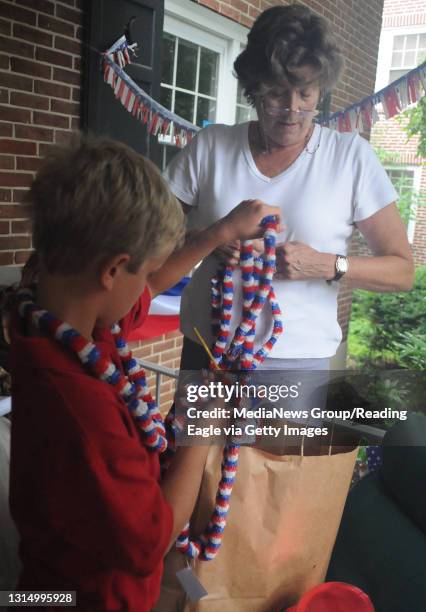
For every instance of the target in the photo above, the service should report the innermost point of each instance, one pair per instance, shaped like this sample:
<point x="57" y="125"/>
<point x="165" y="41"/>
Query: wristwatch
<point x="341" y="266"/>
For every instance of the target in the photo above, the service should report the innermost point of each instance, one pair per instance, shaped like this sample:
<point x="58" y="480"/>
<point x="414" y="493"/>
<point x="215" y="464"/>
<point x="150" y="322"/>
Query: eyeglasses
<point x="279" y="111"/>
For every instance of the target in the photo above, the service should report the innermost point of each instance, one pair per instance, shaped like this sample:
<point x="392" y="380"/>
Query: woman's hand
<point x="298" y="261"/>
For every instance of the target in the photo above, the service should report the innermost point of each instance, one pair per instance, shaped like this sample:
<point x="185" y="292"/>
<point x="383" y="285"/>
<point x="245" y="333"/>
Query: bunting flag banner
<point x="157" y="119"/>
<point x="163" y="314"/>
<point x="392" y="100"/>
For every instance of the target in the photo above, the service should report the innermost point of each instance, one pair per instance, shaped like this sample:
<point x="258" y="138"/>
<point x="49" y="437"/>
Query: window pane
<point x="394" y="75"/>
<point x="241" y="99"/>
<point x="411" y="41"/>
<point x="396" y="59"/>
<point x="168" y="54"/>
<point x="422" y="41"/>
<point x="398" y="43"/>
<point x="409" y="59"/>
<point x="208" y="72"/>
<point x="166" y="97"/>
<point x="184" y="105"/>
<point x="206" y="111"/>
<point x="186" y="64"/>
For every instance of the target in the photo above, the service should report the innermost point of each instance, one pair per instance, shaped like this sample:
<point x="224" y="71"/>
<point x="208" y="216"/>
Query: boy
<point x="85" y="491"/>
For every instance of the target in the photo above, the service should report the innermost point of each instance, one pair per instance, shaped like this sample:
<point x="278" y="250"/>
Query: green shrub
<point x="389" y="329"/>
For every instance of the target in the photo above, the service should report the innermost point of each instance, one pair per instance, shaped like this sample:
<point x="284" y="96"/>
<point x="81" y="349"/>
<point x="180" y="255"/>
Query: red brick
<point x="22" y="256"/>
<point x="19" y="195"/>
<point x="34" y="133"/>
<point x="4" y="96"/>
<point x="68" y="14"/>
<point x="15" y="242"/>
<point x="6" y="259"/>
<point x="13" y="211"/>
<point x="33" y="68"/>
<point x="6" y="130"/>
<point x="14" y="81"/>
<point x="4" y="62"/>
<point x="247" y="21"/>
<point x="5" y="195"/>
<point x="67" y="76"/>
<point x="240" y="5"/>
<point x="55" y="58"/>
<point x="228" y="11"/>
<point x="55" y="25"/>
<point x="21" y="227"/>
<point x="65" y="108"/>
<point x="77" y="63"/>
<point x="43" y="6"/>
<point x="4" y="227"/>
<point x="211" y="4"/>
<point x="75" y="124"/>
<point x="17" y="115"/>
<point x="76" y="93"/>
<point x="29" y="101"/>
<point x="53" y="90"/>
<point x="44" y="149"/>
<point x="17" y="47"/>
<point x="5" y="28"/>
<point x="15" y="13"/>
<point x="65" y="44"/>
<point x="15" y="179"/>
<point x="7" y="162"/>
<point x="63" y="136"/>
<point x="51" y="120"/>
<point x="16" y="147"/>
<point x="28" y="163"/>
<point x="32" y="35"/>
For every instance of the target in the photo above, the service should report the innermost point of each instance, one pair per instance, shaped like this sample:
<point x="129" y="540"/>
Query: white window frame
<point x="384" y="60"/>
<point x="204" y="27"/>
<point x="417" y="177"/>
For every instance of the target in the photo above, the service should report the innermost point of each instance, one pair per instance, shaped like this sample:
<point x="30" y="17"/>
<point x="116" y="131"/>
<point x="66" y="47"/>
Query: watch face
<point x="341" y="264"/>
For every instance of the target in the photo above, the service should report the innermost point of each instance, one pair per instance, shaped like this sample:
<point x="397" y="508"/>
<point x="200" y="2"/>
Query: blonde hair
<point x="96" y="198"/>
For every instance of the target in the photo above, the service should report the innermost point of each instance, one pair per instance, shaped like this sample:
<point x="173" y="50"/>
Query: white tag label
<point x="191" y="585"/>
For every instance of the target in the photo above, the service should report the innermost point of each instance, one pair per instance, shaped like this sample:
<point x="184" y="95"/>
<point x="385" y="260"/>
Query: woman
<point x="324" y="183"/>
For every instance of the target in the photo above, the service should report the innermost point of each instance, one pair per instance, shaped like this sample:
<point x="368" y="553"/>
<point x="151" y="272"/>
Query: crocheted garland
<point x="257" y="275"/>
<point x="131" y="386"/>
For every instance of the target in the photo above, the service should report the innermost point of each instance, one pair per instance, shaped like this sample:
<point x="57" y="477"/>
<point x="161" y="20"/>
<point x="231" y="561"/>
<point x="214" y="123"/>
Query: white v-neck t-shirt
<point x="336" y="181"/>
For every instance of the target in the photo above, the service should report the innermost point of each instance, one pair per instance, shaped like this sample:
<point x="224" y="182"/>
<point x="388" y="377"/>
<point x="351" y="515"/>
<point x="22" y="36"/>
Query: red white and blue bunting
<point x="359" y="117"/>
<point x="157" y="118"/>
<point x="391" y="100"/>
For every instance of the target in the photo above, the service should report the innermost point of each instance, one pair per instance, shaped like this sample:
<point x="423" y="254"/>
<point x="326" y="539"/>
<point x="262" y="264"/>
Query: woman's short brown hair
<point x="283" y="39"/>
<point x="96" y="198"/>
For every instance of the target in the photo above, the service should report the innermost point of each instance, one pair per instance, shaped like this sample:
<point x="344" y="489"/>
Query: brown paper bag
<point x="284" y="515"/>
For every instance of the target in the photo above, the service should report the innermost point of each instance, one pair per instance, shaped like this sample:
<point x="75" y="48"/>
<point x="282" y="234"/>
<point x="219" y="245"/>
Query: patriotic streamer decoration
<point x="257" y="276"/>
<point x="156" y="118"/>
<point x="393" y="99"/>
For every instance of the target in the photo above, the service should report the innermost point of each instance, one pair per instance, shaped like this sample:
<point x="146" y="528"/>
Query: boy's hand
<point x="243" y="222"/>
<point x="230" y="253"/>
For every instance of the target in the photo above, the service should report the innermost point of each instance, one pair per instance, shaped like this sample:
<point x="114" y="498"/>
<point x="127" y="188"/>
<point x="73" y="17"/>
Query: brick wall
<point x="40" y="92"/>
<point x="39" y="103"/>
<point x="397" y="13"/>
<point x="389" y="134"/>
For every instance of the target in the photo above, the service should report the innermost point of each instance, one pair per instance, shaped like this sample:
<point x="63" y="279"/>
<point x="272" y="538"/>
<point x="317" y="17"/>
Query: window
<point x="189" y="80"/>
<point x="198" y="51"/>
<point x="406" y="181"/>
<point x="409" y="50"/>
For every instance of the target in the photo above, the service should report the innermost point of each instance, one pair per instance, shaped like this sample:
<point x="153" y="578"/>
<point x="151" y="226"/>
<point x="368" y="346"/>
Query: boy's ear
<point x="112" y="269"/>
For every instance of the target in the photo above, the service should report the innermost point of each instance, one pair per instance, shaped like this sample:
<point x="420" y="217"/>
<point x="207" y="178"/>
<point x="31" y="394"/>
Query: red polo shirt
<point x="84" y="490"/>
